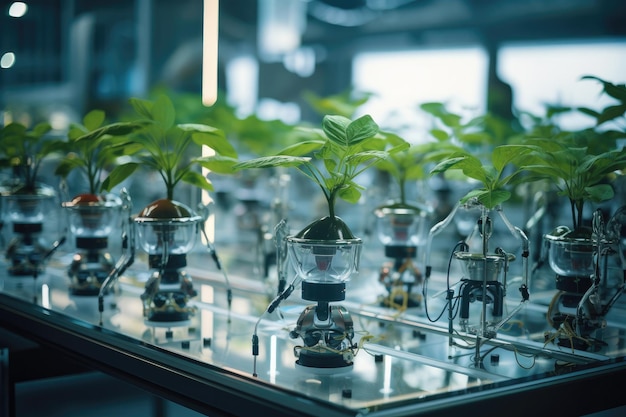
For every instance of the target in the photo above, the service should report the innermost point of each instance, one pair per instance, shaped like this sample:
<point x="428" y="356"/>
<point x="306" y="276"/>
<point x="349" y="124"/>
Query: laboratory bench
<point x="405" y="363"/>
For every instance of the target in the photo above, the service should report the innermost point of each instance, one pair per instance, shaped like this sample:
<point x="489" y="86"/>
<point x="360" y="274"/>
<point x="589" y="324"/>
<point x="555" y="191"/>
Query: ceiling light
<point x="18" y="9"/>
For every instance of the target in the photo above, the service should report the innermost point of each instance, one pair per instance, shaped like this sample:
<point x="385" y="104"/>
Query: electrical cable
<point x="449" y="299"/>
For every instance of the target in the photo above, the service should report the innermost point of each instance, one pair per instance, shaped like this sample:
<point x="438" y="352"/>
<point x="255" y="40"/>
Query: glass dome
<point x="167" y="226"/>
<point x="28" y="208"/>
<point x="400" y="225"/>
<point x="324" y="262"/>
<point x="325" y="251"/>
<point x="475" y="265"/>
<point x="93" y="215"/>
<point x="570" y="253"/>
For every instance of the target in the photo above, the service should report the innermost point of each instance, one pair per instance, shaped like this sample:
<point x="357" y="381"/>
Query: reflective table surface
<point x="405" y="363"/>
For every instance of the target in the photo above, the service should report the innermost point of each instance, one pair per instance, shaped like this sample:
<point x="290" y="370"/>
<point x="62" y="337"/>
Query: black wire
<point x="455" y="303"/>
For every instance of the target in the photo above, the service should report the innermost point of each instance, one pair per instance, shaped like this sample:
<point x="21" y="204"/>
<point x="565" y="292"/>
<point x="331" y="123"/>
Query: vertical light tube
<point x="386" y="389"/>
<point x="45" y="296"/>
<point x="210" y="35"/>
<point x="210" y="31"/>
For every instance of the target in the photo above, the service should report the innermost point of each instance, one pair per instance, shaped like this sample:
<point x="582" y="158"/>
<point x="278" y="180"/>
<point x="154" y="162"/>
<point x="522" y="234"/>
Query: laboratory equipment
<point x="91" y="218"/>
<point x="167" y="230"/>
<point x="484" y="271"/>
<point x="590" y="276"/>
<point x="27" y="251"/>
<point x="325" y="255"/>
<point x="400" y="230"/>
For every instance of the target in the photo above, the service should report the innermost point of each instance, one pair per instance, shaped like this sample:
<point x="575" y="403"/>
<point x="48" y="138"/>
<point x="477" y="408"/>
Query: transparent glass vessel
<point x="167" y="230"/>
<point x="92" y="218"/>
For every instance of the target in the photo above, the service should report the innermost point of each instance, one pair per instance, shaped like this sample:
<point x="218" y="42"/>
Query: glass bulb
<point x="93" y="216"/>
<point x="325" y="262"/>
<point x="167" y="224"/>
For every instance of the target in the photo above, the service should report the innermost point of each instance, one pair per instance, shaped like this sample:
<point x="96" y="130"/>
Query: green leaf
<point x="215" y="140"/>
<point x="272" y="161"/>
<point x="351" y="194"/>
<point x="75" y="132"/>
<point x="126" y="148"/>
<point x="505" y="154"/>
<point x="471" y="166"/>
<point x="589" y="112"/>
<point x="489" y="199"/>
<point x="218" y="164"/>
<point x="335" y="126"/>
<point x="13" y="130"/>
<point x="618" y="92"/>
<point x="388" y="166"/>
<point x="93" y="119"/>
<point x="67" y="165"/>
<point x="440" y="135"/>
<point x="41" y="129"/>
<point x="495" y="198"/>
<point x="198" y="180"/>
<point x="366" y="156"/>
<point x="447" y="164"/>
<point x="142" y="107"/>
<point x="415" y="172"/>
<point x="600" y="192"/>
<point x="119" y="174"/>
<point x="475" y="138"/>
<point x="50" y="147"/>
<point x="163" y="111"/>
<point x="302" y="148"/>
<point x="121" y="128"/>
<point x="360" y="129"/>
<point x="611" y="113"/>
<point x="115" y="129"/>
<point x="440" y="112"/>
<point x="330" y="165"/>
<point x="401" y="147"/>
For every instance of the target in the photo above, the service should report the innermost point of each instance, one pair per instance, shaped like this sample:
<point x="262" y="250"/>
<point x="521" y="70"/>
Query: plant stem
<point x="402" y="191"/>
<point x="330" y="199"/>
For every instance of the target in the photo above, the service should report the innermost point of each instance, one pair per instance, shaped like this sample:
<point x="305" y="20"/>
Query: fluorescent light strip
<point x="209" y="52"/>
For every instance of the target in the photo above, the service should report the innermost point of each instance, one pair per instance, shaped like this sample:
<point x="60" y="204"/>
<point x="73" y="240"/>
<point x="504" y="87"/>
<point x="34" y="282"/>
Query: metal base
<point x="88" y="271"/>
<point x="322" y="359"/>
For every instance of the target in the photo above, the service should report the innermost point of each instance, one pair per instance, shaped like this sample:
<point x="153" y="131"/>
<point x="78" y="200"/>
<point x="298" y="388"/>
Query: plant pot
<point x="570" y="252"/>
<point x="325" y="252"/>
<point x="400" y="225"/>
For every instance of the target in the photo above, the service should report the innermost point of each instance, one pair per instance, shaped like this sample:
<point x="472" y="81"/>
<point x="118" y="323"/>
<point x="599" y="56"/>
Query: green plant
<point x="345" y="103"/>
<point x="480" y="149"/>
<point x="165" y="148"/>
<point x="579" y="175"/>
<point x="474" y="134"/>
<point x="613" y="113"/>
<point x="249" y="135"/>
<point x="344" y="148"/>
<point x="495" y="178"/>
<point x="24" y="150"/>
<point x="94" y="147"/>
<point x="409" y="164"/>
<point x="582" y="163"/>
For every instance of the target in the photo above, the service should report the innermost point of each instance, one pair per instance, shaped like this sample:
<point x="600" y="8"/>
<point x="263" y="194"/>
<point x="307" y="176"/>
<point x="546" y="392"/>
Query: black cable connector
<point x="216" y="260"/>
<point x="255" y="345"/>
<point x="525" y="294"/>
<point x="255" y="352"/>
<point x="282" y="296"/>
